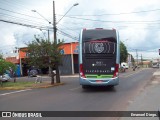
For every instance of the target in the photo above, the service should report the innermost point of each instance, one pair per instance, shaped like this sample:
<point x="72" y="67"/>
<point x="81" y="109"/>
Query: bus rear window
<point x="89" y="35"/>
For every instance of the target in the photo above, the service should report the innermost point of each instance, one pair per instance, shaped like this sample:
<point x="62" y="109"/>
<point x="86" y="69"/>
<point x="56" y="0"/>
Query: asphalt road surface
<point x="71" y="97"/>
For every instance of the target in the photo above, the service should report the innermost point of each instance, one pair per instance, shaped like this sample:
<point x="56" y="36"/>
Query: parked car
<point x="124" y="65"/>
<point x="33" y="73"/>
<point x="5" y="77"/>
<point x="155" y="65"/>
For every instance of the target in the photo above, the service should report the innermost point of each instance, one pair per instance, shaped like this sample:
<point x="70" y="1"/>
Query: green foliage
<point x="123" y="52"/>
<point x="1" y="56"/>
<point x="4" y="65"/>
<point x="43" y="53"/>
<point x="11" y="65"/>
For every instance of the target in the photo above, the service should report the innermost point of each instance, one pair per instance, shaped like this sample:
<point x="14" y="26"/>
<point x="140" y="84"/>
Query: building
<point x="69" y="59"/>
<point x="14" y="60"/>
<point x="145" y="64"/>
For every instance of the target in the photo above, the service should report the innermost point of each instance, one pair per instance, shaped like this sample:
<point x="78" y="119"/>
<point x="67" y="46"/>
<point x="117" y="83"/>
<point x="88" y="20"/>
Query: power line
<point x="95" y="20"/>
<point x="67" y="35"/>
<point x="20" y="5"/>
<point x="59" y="31"/>
<point x="20" y="19"/>
<point x="130" y="22"/>
<point x="70" y="31"/>
<point x="69" y="28"/>
<point x="135" y="12"/>
<point x="13" y="4"/>
<point x="22" y="24"/>
<point x="37" y="27"/>
<point x="19" y="13"/>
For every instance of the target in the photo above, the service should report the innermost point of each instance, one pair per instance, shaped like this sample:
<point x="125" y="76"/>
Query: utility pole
<point x="54" y="24"/>
<point x="141" y="60"/>
<point x="137" y="56"/>
<point x="55" y="41"/>
<point x="48" y="35"/>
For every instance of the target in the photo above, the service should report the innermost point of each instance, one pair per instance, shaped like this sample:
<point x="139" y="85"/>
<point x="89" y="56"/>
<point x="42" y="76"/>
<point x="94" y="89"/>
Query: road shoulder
<point x="148" y="99"/>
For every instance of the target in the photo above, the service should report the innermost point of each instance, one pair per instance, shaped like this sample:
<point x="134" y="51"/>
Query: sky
<point x="138" y="22"/>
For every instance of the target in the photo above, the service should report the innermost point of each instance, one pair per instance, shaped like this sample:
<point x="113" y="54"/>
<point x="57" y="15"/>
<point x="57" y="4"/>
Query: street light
<point x="54" y="20"/>
<point x="41" y="16"/>
<point x="67" y="12"/>
<point x="44" y="19"/>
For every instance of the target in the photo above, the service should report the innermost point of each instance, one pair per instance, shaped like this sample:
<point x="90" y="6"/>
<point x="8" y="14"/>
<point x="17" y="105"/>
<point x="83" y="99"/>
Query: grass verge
<point x="26" y="85"/>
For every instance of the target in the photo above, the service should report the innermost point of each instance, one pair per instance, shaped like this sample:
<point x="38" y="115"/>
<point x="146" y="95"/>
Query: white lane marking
<point x="14" y="92"/>
<point x="74" y="88"/>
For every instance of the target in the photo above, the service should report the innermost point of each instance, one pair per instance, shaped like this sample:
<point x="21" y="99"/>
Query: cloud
<point x="141" y="35"/>
<point x="7" y="31"/>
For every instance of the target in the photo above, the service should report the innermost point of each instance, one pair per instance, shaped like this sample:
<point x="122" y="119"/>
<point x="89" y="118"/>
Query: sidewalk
<point x="148" y="100"/>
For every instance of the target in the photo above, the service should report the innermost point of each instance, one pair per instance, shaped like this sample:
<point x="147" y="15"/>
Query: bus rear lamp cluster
<point x="116" y="71"/>
<point x="81" y="71"/>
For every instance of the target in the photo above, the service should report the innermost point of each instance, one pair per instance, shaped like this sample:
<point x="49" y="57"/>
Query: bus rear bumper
<point x="99" y="82"/>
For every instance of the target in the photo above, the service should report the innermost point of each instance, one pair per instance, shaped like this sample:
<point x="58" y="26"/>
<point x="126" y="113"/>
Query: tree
<point x="43" y="53"/>
<point x="1" y="56"/>
<point x="4" y="65"/>
<point x="123" y="52"/>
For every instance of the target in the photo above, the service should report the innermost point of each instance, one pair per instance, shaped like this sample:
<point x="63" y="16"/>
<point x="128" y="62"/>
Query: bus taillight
<point x="81" y="71"/>
<point x="116" y="71"/>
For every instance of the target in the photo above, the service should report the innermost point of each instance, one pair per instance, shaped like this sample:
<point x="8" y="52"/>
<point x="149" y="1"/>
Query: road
<point x="71" y="97"/>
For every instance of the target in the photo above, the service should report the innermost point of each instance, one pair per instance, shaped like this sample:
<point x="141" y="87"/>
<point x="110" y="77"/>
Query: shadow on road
<point x="99" y="89"/>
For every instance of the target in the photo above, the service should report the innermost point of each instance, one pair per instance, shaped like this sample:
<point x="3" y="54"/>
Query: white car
<point x="124" y="65"/>
<point x="5" y="77"/>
